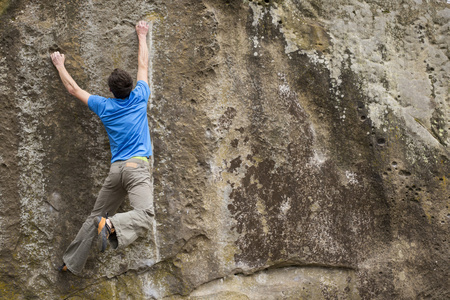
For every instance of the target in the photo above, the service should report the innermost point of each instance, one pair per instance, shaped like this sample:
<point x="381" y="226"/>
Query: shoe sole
<point x="102" y="242"/>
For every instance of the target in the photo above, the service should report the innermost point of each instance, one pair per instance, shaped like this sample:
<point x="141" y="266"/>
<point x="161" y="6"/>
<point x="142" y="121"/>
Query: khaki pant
<point x="133" y="177"/>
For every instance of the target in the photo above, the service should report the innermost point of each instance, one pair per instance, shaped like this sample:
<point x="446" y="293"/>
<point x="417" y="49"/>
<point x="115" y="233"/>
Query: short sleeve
<point x="97" y="104"/>
<point x="142" y="90"/>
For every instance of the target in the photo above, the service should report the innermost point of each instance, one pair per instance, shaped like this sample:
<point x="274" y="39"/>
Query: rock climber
<point x="125" y="119"/>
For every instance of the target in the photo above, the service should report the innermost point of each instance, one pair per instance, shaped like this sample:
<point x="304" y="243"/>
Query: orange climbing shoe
<point x="103" y="231"/>
<point x="63" y="268"/>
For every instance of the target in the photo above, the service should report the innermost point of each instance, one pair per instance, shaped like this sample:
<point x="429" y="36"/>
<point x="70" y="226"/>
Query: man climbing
<point x="125" y="120"/>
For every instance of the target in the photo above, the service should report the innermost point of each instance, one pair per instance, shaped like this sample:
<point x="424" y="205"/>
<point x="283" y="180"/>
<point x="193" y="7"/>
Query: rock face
<point x="300" y="148"/>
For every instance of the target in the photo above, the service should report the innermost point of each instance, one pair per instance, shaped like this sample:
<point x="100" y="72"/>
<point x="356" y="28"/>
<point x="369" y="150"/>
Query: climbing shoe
<point x="104" y="232"/>
<point x="63" y="268"/>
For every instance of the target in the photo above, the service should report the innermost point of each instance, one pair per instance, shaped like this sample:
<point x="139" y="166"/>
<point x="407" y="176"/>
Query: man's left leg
<point x="109" y="199"/>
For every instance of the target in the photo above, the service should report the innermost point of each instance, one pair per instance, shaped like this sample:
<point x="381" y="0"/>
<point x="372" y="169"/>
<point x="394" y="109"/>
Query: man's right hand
<point x="142" y="28"/>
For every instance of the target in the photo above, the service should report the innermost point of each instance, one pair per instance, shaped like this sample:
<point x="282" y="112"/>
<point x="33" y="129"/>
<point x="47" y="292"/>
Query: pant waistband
<point x="141" y="157"/>
<point x="136" y="159"/>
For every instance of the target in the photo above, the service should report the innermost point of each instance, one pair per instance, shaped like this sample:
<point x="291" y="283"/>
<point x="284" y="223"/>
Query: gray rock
<point x="300" y="148"/>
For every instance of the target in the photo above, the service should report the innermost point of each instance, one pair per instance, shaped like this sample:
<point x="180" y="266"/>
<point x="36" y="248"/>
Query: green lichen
<point x="154" y="17"/>
<point x="103" y="290"/>
<point x="3" y="6"/>
<point x="432" y="131"/>
<point x="7" y="292"/>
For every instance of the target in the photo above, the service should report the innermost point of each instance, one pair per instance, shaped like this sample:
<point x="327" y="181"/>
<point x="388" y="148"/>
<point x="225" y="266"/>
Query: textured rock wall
<point x="301" y="148"/>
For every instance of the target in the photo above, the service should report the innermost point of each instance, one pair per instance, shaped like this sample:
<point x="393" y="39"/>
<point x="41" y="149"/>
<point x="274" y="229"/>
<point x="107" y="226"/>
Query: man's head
<point x="120" y="83"/>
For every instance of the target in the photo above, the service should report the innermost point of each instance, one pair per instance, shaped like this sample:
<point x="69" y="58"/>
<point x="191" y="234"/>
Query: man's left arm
<point x="70" y="84"/>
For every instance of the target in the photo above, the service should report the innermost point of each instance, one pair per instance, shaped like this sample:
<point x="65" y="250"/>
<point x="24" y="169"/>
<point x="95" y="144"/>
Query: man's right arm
<point x="141" y="30"/>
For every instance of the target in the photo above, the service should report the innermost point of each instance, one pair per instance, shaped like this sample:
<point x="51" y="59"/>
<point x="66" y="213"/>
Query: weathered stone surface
<point x="301" y="148"/>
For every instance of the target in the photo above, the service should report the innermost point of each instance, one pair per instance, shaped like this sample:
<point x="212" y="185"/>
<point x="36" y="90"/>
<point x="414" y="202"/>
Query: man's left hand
<point x="58" y="59"/>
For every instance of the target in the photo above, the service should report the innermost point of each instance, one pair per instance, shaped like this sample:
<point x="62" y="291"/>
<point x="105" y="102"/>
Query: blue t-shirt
<point x="125" y="121"/>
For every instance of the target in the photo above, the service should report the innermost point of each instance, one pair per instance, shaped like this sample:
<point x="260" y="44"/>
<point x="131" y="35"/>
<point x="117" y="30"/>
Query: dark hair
<point x="120" y="83"/>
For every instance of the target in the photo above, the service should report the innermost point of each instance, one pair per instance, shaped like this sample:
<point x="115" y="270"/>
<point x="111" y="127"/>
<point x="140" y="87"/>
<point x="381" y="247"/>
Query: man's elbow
<point x="73" y="90"/>
<point x="143" y="64"/>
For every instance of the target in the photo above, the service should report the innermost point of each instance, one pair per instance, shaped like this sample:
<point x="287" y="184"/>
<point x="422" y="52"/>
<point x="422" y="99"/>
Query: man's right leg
<point x="108" y="201"/>
<point x="136" y="179"/>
